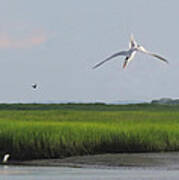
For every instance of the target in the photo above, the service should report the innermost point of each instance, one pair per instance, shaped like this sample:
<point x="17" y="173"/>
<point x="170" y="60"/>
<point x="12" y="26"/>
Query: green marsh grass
<point x="46" y="133"/>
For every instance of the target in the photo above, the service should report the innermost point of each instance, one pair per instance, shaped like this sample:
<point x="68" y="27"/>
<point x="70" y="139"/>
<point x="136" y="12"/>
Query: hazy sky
<point x="55" y="43"/>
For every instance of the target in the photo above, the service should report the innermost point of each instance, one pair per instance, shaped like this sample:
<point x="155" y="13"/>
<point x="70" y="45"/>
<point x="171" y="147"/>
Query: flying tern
<point x="130" y="53"/>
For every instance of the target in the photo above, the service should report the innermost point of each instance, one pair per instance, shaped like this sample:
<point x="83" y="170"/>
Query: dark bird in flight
<point x="34" y="86"/>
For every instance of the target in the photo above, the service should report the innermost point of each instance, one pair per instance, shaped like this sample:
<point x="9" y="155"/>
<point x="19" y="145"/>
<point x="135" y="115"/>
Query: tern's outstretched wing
<point x="122" y="53"/>
<point x="159" y="57"/>
<point x="141" y="49"/>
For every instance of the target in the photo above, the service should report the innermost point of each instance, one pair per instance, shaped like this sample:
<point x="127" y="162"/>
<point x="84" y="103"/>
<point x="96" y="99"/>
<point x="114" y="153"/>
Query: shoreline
<point x="130" y="160"/>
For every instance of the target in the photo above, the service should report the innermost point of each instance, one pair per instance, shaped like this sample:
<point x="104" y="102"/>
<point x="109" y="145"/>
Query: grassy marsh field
<point x="35" y="131"/>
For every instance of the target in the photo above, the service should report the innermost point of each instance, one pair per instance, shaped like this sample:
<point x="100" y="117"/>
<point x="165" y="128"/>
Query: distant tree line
<point x="167" y="101"/>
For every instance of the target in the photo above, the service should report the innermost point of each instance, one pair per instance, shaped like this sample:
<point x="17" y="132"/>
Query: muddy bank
<point x="160" y="160"/>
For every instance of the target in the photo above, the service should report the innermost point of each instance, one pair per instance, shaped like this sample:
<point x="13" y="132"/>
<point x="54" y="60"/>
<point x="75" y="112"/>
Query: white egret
<point x="5" y="158"/>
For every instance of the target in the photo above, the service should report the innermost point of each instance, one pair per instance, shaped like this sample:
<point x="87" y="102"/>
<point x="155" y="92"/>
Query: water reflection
<point x="55" y="173"/>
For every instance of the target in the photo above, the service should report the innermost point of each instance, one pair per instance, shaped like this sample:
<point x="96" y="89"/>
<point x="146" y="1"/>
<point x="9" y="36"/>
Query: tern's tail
<point x="132" y="37"/>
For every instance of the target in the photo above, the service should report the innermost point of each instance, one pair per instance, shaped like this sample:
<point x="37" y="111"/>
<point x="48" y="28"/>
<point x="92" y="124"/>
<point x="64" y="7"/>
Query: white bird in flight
<point x="133" y="48"/>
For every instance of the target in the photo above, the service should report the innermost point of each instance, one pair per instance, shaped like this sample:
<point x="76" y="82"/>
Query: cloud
<point x="35" y="39"/>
